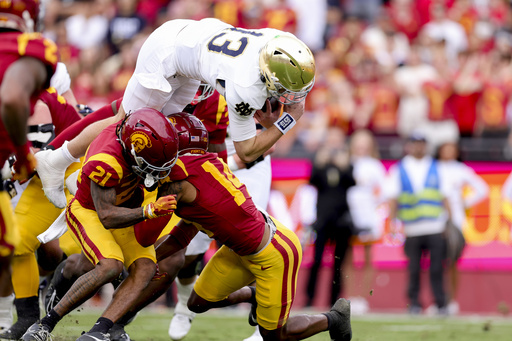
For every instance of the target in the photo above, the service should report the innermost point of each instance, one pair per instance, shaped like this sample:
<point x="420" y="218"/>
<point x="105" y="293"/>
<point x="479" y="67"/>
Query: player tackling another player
<point x="245" y="66"/>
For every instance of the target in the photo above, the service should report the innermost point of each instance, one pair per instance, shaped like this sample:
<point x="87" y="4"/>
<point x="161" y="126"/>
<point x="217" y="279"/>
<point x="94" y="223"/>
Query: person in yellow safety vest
<point x="417" y="204"/>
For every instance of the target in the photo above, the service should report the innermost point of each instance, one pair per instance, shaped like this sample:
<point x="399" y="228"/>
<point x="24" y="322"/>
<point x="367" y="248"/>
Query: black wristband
<point x="248" y="165"/>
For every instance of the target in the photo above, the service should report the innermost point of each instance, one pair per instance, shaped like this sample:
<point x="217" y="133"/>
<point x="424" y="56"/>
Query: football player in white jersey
<point x="246" y="66"/>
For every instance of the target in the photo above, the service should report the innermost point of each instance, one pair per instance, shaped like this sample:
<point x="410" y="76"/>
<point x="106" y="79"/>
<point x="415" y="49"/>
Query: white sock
<point x="67" y="155"/>
<point x="184" y="292"/>
<point x="6" y="307"/>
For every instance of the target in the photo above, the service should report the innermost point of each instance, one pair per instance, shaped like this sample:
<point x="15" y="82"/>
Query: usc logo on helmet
<point x="140" y="141"/>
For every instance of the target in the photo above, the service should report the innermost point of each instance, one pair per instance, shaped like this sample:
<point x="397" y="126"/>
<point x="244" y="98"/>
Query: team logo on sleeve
<point x="243" y="109"/>
<point x="140" y="141"/>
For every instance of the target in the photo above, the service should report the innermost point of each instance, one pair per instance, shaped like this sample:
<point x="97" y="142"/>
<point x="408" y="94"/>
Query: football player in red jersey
<point x="256" y="247"/>
<point x="140" y="151"/>
<point x="27" y="62"/>
<point x="34" y="214"/>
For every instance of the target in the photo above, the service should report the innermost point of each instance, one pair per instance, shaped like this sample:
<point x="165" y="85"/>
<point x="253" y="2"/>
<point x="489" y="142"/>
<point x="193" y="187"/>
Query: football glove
<point x="25" y="164"/>
<point x="163" y="206"/>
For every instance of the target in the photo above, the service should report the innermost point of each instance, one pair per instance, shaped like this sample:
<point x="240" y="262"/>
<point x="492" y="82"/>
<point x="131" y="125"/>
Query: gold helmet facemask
<point x="287" y="68"/>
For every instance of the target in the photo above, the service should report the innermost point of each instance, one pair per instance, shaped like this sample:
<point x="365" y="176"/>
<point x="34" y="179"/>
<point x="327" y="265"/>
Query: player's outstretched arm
<point x="115" y="217"/>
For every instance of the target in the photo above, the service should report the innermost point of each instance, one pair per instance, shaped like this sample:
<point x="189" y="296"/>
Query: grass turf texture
<point x="228" y="324"/>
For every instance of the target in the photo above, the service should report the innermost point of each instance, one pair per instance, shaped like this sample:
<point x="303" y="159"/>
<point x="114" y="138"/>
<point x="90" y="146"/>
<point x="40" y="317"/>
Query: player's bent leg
<point x="25" y="280"/>
<point x="63" y="278"/>
<point x="84" y="288"/>
<point x="140" y="274"/>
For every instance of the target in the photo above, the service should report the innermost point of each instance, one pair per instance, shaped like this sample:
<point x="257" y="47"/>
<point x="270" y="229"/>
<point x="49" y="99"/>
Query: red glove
<point x="25" y="164"/>
<point x="148" y="231"/>
<point x="163" y="206"/>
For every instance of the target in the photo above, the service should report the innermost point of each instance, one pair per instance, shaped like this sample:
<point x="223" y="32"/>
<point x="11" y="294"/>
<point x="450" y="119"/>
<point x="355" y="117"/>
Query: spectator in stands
<point x="459" y="179"/>
<point x="413" y="107"/>
<point x="405" y="17"/>
<point x="467" y="87"/>
<point x="125" y="25"/>
<point x="442" y="28"/>
<point x="88" y="27"/>
<point x="332" y="176"/>
<point x="492" y="121"/>
<point x="389" y="47"/>
<point x="364" y="200"/>
<point x="417" y="199"/>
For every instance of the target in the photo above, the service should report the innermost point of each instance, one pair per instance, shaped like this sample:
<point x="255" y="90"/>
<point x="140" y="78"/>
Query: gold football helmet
<point x="287" y="68"/>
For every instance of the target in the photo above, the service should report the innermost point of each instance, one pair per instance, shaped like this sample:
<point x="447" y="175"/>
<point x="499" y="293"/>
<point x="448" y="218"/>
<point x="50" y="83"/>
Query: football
<point x="274" y="104"/>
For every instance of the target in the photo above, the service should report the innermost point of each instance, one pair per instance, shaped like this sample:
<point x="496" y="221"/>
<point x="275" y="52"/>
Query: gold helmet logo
<point x="140" y="141"/>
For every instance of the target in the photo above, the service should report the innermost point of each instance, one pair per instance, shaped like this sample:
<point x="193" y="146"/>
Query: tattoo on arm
<point x="112" y="216"/>
<point x="170" y="188"/>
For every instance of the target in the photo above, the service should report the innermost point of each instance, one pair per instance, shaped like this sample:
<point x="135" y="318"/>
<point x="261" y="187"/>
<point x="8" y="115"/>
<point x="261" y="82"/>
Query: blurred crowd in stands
<point x="439" y="66"/>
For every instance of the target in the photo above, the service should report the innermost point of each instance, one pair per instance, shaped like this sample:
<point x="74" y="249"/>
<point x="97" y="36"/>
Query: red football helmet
<point x="151" y="142"/>
<point x="20" y="15"/>
<point x="192" y="133"/>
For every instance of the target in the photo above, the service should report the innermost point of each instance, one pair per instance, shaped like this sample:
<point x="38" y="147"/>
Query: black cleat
<point x="340" y="329"/>
<point x="117" y="333"/>
<point x="37" y="332"/>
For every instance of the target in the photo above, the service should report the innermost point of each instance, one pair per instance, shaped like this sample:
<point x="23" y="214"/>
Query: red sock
<point x="76" y="128"/>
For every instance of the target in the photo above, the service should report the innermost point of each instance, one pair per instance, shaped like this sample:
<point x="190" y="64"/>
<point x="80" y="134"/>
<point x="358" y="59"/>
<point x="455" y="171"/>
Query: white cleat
<point x="256" y="336"/>
<point x="179" y="327"/>
<point x="51" y="171"/>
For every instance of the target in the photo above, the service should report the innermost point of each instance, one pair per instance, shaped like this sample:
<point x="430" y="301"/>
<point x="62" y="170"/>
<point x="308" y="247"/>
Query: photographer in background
<point x="332" y="176"/>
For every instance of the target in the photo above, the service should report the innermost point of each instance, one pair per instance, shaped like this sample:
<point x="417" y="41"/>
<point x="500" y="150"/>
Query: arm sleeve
<point x="184" y="233"/>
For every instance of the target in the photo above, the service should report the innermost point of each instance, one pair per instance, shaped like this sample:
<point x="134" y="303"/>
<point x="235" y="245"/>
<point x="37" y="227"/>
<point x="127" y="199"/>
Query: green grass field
<point x="231" y="324"/>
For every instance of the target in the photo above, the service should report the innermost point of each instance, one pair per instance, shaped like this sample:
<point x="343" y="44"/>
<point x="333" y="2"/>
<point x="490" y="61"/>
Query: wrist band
<point x="147" y="213"/>
<point x="248" y="165"/>
<point x="285" y="123"/>
<point x="233" y="166"/>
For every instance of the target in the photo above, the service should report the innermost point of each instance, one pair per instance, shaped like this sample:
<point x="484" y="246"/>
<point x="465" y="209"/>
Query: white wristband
<point x="233" y="166"/>
<point x="285" y="123"/>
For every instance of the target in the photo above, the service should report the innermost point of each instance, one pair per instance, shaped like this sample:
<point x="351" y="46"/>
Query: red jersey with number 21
<point x="106" y="166"/>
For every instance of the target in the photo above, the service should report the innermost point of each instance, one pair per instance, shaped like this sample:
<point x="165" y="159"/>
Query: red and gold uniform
<point x="438" y="94"/>
<point x="384" y="119"/>
<point x="34" y="213"/>
<point x="492" y="108"/>
<point x="213" y="112"/>
<point x="13" y="46"/>
<point x="63" y="114"/>
<point x="105" y="165"/>
<point x="224" y="210"/>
